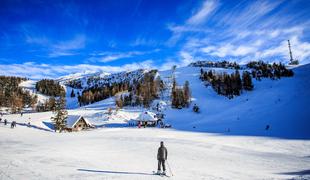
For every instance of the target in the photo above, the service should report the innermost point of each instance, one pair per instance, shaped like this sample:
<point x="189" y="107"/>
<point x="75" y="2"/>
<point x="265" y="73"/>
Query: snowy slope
<point x="283" y="104"/>
<point x="199" y="145"/>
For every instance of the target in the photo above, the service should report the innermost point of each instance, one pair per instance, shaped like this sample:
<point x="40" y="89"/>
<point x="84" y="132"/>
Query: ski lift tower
<point x="292" y="61"/>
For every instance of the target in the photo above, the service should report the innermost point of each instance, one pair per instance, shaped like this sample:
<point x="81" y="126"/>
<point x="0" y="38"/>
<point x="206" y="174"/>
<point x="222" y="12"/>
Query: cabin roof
<point x="73" y="119"/>
<point x="147" y="116"/>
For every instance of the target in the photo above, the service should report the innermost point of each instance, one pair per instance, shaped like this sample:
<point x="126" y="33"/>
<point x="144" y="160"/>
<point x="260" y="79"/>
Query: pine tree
<point x="61" y="115"/>
<point x="187" y="93"/>
<point x="52" y="103"/>
<point x="247" y="81"/>
<point x="72" y="93"/>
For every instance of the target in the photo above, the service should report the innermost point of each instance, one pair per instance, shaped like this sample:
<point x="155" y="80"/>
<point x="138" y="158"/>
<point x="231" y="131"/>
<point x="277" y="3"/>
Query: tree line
<point x="229" y="85"/>
<point x="273" y="71"/>
<point x="13" y="96"/>
<point x="50" y="87"/>
<point x="220" y="64"/>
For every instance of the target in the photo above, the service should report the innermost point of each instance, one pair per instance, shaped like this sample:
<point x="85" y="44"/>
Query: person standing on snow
<point x="162" y="157"/>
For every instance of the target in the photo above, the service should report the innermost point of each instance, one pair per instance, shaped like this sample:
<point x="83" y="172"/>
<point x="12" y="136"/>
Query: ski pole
<point x="169" y="168"/>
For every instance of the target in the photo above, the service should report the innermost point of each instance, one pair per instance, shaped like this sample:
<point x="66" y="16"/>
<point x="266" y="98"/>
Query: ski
<point x="160" y="174"/>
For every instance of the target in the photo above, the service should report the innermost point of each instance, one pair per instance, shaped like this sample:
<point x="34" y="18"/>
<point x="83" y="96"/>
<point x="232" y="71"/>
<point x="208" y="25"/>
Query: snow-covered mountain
<point x="226" y="140"/>
<point x="89" y="80"/>
<point x="280" y="104"/>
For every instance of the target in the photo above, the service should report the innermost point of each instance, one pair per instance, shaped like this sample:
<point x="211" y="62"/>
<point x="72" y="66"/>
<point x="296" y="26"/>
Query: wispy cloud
<point x="202" y="14"/>
<point x="144" y="42"/>
<point x="247" y="31"/>
<point x="105" y="57"/>
<point x="38" y="71"/>
<point x="58" y="48"/>
<point x="69" y="47"/>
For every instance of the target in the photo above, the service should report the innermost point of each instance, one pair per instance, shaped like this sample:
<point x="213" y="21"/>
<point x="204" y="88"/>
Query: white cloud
<point x="193" y="22"/>
<point x="301" y="50"/>
<point x="229" y="50"/>
<point x="38" y="71"/>
<point x="68" y="48"/>
<point x="58" y="48"/>
<point x="113" y="56"/>
<point x="248" y="31"/>
<point x="120" y="55"/>
<point x="202" y="14"/>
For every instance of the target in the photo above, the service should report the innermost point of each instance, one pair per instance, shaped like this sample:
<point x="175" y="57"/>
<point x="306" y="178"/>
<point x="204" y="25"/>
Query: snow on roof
<point x="147" y="116"/>
<point x="73" y="119"/>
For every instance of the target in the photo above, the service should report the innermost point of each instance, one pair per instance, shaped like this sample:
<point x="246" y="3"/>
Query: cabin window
<point x="74" y="126"/>
<point x="80" y="125"/>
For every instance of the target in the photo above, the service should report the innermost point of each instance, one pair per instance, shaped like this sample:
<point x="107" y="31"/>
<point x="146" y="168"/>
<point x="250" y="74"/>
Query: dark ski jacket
<point x="162" y="153"/>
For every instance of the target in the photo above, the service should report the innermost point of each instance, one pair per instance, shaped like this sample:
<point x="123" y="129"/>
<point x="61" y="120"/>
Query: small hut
<point x="147" y="118"/>
<point x="77" y="123"/>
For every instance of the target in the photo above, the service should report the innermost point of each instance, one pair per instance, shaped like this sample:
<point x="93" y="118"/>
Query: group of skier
<point x="5" y="122"/>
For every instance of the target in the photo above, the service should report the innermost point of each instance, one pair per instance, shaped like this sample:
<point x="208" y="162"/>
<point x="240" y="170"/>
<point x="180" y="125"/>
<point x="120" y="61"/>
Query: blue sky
<point x="51" y="38"/>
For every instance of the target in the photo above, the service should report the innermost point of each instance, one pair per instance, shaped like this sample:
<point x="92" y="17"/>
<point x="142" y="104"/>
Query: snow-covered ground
<point x="282" y="104"/>
<point x="199" y="145"/>
<point x="130" y="153"/>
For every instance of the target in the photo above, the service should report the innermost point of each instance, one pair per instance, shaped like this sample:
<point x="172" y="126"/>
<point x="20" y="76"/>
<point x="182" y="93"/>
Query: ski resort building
<point x="146" y="118"/>
<point x="77" y="123"/>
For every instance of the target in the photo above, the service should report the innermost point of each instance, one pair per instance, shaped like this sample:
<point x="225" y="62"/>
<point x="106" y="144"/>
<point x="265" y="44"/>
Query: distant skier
<point x="139" y="125"/>
<point x="13" y="124"/>
<point x="162" y="157"/>
<point x="5" y="121"/>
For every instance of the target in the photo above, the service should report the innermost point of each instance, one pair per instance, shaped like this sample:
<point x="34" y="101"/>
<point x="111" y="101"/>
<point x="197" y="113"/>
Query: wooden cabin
<point x="77" y="123"/>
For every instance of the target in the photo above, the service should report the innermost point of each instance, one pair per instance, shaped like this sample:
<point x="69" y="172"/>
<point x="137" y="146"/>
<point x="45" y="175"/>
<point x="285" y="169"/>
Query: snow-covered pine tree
<point x="61" y="115"/>
<point x="187" y="93"/>
<point x="247" y="81"/>
<point x="72" y="93"/>
<point x="52" y="103"/>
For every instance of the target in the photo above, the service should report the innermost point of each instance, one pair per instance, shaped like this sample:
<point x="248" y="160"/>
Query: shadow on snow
<point x="114" y="172"/>
<point x="298" y="173"/>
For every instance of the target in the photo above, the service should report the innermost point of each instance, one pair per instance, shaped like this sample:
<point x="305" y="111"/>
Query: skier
<point x="13" y="124"/>
<point x="162" y="157"/>
<point x="144" y="125"/>
<point x="139" y="125"/>
<point x="5" y="122"/>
